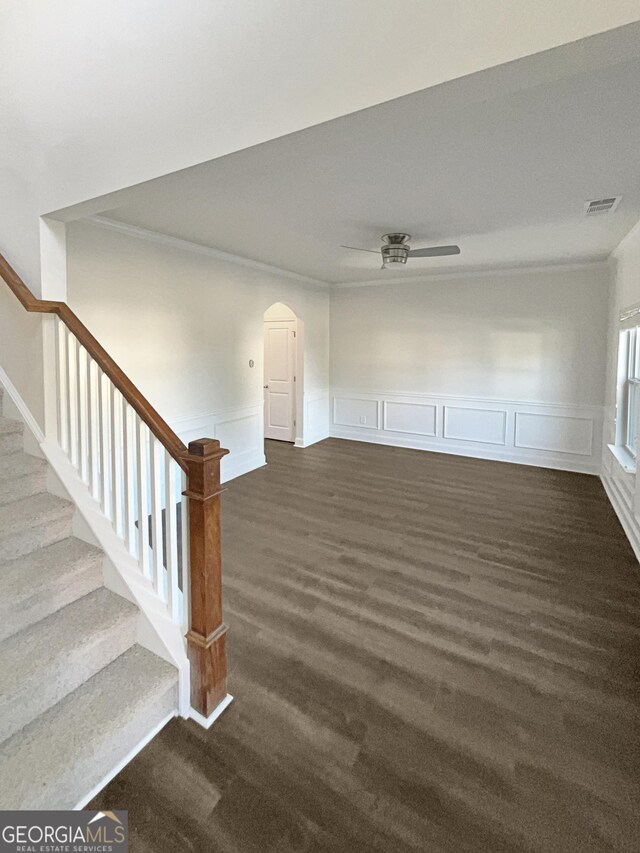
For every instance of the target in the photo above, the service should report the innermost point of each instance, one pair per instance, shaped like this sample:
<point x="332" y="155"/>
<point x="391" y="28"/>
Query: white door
<point x="279" y="379"/>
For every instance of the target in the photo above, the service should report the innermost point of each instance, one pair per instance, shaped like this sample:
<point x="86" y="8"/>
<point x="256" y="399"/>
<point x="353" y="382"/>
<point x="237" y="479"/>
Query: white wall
<point x="100" y="96"/>
<point x="622" y="487"/>
<point x="507" y="366"/>
<point x="184" y="326"/>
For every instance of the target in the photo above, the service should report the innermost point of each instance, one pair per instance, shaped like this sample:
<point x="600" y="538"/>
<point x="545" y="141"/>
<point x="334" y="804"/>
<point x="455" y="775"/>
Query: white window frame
<point x="628" y="398"/>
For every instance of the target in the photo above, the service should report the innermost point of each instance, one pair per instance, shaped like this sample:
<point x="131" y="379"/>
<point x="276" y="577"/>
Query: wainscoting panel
<point x="549" y="435"/>
<point x="317" y="424"/>
<point x="239" y="430"/>
<point x="561" y="433"/>
<point x="486" y="426"/>
<point x="360" y="412"/>
<point x="411" y="418"/>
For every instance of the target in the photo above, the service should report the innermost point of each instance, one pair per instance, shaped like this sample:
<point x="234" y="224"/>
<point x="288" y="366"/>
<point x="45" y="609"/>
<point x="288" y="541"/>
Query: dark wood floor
<point x="427" y="652"/>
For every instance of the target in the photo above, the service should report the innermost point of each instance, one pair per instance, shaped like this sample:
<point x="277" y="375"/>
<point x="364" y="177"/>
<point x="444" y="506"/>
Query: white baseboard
<point x="20" y="407"/>
<point x="207" y="722"/>
<point x="313" y="439"/>
<point x="626" y="517"/>
<point x="546" y="435"/>
<point x="123" y="763"/>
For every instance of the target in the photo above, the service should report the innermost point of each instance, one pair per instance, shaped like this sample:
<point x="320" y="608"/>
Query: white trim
<point x="242" y="463"/>
<point x="476" y="272"/>
<point x="21" y="406"/>
<point x="562" y="436"/>
<point x="627" y="519"/>
<point x="301" y="443"/>
<point x="199" y="249"/>
<point x="190" y="421"/>
<point x="406" y="396"/>
<point x="624" y="458"/>
<point x="123" y="763"/>
<point x="385" y="420"/>
<point x="207" y="722"/>
<point x="242" y="459"/>
<point x="587" y="420"/>
<point x="496" y="455"/>
<point x="448" y="435"/>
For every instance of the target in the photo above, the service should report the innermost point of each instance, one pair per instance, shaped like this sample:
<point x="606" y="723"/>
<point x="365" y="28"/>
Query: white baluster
<point x="95" y="420"/>
<point x="142" y="457"/>
<point x="83" y="421"/>
<point x="130" y="507"/>
<point x="116" y="403"/>
<point x="156" y="518"/>
<point x="184" y="545"/>
<point x="104" y="405"/>
<point x="171" y="518"/>
<point x="72" y="400"/>
<point x="63" y="384"/>
<point x="83" y="411"/>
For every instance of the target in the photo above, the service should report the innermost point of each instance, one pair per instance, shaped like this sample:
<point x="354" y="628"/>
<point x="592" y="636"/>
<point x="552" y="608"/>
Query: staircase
<point x="77" y="694"/>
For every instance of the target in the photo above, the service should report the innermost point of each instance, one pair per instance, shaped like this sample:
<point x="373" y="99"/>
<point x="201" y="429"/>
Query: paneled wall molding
<point x="624" y="510"/>
<point x="316" y="418"/>
<point x="552" y="435"/>
<point x="239" y="429"/>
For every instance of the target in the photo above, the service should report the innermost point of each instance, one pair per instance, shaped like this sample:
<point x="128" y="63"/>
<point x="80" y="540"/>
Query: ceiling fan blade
<point x="358" y="249"/>
<point x="434" y="251"/>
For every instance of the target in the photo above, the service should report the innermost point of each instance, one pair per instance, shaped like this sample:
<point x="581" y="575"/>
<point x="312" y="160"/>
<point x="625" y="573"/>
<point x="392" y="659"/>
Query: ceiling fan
<point x="395" y="249"/>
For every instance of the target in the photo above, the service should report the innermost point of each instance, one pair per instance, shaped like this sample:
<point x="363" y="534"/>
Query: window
<point x="629" y="390"/>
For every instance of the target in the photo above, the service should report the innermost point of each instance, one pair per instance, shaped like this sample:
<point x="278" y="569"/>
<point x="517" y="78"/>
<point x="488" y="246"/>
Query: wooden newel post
<point x="206" y="636"/>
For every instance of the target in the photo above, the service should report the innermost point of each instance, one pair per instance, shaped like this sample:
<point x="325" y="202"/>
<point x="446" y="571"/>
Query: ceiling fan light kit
<point x="395" y="249"/>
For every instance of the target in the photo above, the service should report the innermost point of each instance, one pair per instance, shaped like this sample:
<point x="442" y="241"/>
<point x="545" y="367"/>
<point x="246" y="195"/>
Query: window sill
<point x="624" y="458"/>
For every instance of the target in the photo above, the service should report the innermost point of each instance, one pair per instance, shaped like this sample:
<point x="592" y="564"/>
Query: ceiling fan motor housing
<point x="395" y="249"/>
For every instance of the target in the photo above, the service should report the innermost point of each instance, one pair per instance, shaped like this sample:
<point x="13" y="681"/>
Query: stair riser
<point x="22" y="487"/>
<point x="23" y="542"/>
<point x="79" y="581"/>
<point x="33" y="696"/>
<point x="11" y="443"/>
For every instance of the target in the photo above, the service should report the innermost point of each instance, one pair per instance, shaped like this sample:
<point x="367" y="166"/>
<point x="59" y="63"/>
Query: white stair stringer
<point x="79" y="695"/>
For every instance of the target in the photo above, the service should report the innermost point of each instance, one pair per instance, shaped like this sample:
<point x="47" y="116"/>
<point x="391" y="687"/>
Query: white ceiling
<point x="500" y="162"/>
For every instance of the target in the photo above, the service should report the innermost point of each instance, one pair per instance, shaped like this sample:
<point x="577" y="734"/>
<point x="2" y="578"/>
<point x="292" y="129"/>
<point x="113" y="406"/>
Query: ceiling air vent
<point x="601" y="205"/>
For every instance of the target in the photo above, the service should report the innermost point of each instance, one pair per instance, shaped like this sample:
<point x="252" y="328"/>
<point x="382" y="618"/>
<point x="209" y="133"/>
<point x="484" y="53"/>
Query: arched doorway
<point x="283" y="380"/>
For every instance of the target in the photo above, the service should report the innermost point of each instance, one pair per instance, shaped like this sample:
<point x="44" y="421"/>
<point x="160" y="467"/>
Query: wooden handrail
<point x="143" y="408"/>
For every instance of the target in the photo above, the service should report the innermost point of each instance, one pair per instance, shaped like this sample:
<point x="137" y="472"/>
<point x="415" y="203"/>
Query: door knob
<point x="265" y="386"/>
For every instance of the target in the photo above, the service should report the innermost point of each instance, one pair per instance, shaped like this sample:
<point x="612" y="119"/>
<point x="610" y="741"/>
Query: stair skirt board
<point x="123" y="763"/>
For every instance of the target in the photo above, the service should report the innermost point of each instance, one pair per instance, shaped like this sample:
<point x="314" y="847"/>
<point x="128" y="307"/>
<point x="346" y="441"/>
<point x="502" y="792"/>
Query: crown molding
<point x="199" y="249"/>
<point x="477" y="272"/>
